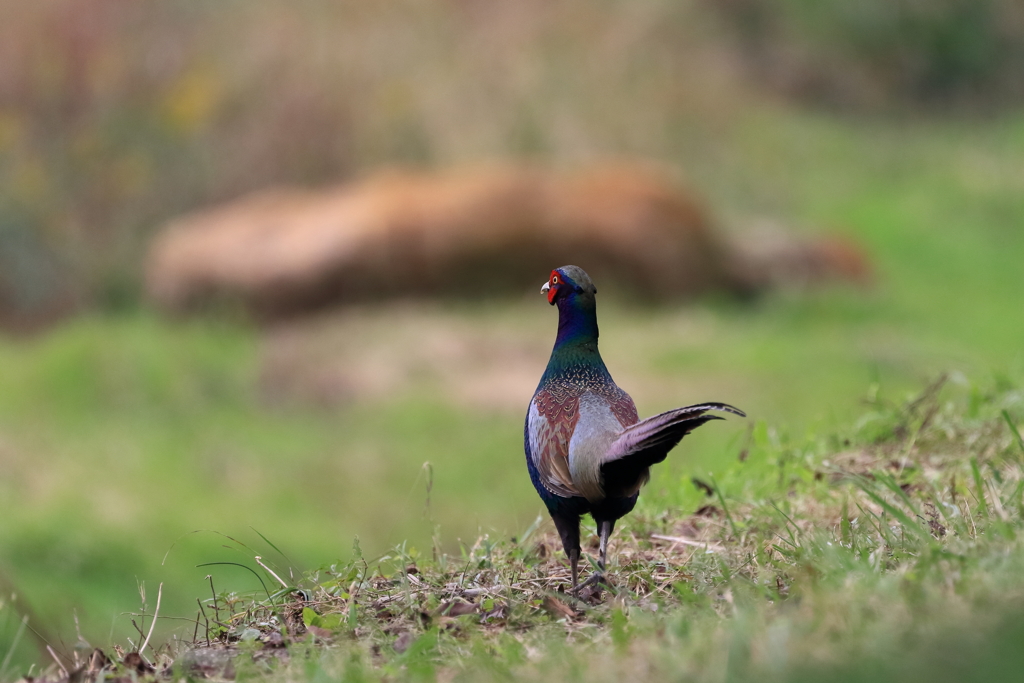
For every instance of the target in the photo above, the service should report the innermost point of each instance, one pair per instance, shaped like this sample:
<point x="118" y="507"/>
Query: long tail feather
<point x="648" y="442"/>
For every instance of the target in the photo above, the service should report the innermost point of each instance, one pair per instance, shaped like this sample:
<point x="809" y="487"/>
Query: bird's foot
<point x="595" y="578"/>
<point x="589" y="592"/>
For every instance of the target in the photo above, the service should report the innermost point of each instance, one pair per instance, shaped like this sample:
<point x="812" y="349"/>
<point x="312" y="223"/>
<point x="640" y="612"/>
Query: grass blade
<point x="239" y="564"/>
<point x="890" y="483"/>
<point x="982" y="503"/>
<point x="267" y="541"/>
<point x="1013" y="428"/>
<point x="725" y="508"/>
<point x="906" y="520"/>
<point x="14" y="645"/>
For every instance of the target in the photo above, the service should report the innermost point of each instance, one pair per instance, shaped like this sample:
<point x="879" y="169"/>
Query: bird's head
<point x="569" y="283"/>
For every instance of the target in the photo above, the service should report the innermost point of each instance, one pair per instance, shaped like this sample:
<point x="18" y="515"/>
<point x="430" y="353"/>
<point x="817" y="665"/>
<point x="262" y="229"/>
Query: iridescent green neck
<point x="576" y="342"/>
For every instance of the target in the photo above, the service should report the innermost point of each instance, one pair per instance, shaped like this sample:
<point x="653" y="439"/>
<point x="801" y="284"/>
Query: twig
<point x="714" y="547"/>
<point x="78" y="630"/>
<point x="385" y="599"/>
<point x="54" y="655"/>
<point x="517" y="585"/>
<point x="136" y="625"/>
<point x="430" y="485"/>
<point x="259" y="561"/>
<point x="213" y="591"/>
<point x="206" y="618"/>
<point x="156" y="613"/>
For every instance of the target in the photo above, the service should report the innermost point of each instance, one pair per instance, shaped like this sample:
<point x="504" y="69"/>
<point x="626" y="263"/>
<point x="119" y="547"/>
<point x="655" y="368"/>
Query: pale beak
<point x="544" y="289"/>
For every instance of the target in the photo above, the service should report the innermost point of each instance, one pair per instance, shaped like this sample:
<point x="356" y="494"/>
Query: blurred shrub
<point x="115" y="115"/>
<point x="885" y="53"/>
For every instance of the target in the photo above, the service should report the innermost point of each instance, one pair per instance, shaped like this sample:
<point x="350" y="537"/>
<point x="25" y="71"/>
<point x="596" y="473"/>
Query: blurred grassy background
<point x="120" y="433"/>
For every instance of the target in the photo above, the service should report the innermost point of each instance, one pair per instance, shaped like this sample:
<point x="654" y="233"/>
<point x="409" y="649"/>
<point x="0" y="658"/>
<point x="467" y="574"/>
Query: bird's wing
<point x="648" y="441"/>
<point x="622" y="406"/>
<point x="551" y="423"/>
<point x="602" y="416"/>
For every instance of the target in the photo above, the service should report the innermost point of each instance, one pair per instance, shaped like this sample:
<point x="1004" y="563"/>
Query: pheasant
<point x="586" y="449"/>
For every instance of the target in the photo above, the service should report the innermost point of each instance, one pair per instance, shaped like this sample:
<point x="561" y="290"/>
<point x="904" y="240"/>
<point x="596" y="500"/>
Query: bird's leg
<point x="568" y="527"/>
<point x="604" y="528"/>
<point x="574" y="560"/>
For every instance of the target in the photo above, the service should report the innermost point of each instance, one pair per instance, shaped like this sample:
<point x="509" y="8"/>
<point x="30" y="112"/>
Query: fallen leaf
<point x="457" y="608"/>
<point x="403" y="642"/>
<point x="557" y="608"/>
<point x="319" y="632"/>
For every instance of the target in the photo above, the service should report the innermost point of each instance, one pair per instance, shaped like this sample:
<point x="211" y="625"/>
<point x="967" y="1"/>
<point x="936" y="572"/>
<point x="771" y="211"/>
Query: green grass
<point x="887" y="550"/>
<point x="120" y="435"/>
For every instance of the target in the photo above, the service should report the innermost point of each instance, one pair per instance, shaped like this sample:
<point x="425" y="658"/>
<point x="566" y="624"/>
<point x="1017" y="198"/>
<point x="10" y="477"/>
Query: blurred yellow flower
<point x="192" y="100"/>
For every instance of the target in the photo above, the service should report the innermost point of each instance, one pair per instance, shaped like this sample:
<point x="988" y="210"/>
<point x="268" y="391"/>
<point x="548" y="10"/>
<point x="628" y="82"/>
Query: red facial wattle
<point x="553" y="283"/>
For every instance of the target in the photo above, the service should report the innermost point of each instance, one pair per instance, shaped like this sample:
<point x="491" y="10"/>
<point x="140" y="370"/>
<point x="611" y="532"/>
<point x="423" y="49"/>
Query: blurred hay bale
<point x="473" y="232"/>
<point x="768" y="256"/>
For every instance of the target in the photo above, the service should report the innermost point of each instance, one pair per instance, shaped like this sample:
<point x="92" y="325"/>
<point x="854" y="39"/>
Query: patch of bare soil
<point x="359" y="354"/>
<point x="396" y="349"/>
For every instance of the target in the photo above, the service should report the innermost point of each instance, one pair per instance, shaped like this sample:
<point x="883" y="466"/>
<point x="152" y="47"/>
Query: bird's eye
<point x="554" y="279"/>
